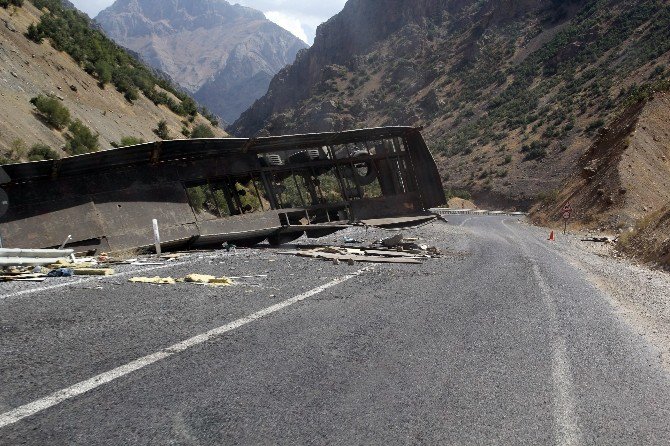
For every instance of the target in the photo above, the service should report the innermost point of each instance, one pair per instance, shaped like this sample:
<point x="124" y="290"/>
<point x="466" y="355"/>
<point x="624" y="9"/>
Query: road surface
<point x="501" y="341"/>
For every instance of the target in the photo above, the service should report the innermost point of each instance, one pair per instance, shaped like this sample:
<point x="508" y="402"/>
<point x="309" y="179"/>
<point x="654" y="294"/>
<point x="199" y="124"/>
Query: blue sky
<point x="301" y="17"/>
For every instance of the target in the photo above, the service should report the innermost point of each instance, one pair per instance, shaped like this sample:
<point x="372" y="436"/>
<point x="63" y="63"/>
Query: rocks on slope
<point x="623" y="183"/>
<point x="224" y="54"/>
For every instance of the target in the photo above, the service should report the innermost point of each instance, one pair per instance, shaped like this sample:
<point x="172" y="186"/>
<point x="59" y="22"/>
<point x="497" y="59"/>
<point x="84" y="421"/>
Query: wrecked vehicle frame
<point x="205" y="192"/>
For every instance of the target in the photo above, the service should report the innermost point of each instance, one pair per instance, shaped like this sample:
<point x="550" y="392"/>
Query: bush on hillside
<point x="40" y="152"/>
<point x="162" y="130"/>
<point x="202" y="131"/>
<point x="128" y="141"/>
<point x="56" y="114"/>
<point x="7" y="3"/>
<point x="71" y="31"/>
<point x="81" y="139"/>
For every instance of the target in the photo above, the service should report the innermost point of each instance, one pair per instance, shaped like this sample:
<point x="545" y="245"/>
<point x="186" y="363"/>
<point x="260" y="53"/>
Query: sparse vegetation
<point x="41" y="152"/>
<point x="71" y="31"/>
<point x="534" y="151"/>
<point x="162" y="130"/>
<point x="7" y="3"/>
<point x="128" y="141"/>
<point x="55" y="114"/>
<point x="202" y="131"/>
<point x="81" y="139"/>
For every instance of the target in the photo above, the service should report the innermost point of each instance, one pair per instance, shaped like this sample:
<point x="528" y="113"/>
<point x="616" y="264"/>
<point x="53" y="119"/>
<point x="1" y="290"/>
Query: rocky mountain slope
<point x="511" y="94"/>
<point x="623" y="183"/>
<point x="30" y="69"/>
<point x="223" y="54"/>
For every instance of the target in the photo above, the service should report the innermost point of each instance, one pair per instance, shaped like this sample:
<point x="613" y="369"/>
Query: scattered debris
<point x="394" y="241"/>
<point x="599" y="239"/>
<point x="200" y="279"/>
<point x="396" y="249"/>
<point x="93" y="272"/>
<point x="61" y="272"/>
<point x="154" y="280"/>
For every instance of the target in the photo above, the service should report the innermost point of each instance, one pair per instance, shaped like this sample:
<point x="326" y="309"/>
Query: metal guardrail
<point x="32" y="257"/>
<point x="451" y="211"/>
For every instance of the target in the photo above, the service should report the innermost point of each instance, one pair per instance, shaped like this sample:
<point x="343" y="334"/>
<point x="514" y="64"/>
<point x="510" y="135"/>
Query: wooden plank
<point x="93" y="272"/>
<point x="355" y="258"/>
<point x="393" y="254"/>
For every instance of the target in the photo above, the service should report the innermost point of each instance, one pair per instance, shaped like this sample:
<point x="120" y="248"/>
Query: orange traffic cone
<point x="551" y="237"/>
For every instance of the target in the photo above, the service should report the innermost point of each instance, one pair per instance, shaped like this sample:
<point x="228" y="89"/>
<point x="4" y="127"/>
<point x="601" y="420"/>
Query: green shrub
<point x="162" y="130"/>
<point x="40" y="152"/>
<point x="202" y="131"/>
<point x="103" y="71"/>
<point x="7" y="3"/>
<point x="128" y="141"/>
<point x="534" y="151"/>
<point x="595" y="125"/>
<point x="56" y="114"/>
<point x="72" y="32"/>
<point x="81" y="139"/>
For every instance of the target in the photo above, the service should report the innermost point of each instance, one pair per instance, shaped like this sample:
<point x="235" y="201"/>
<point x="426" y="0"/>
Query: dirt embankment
<point x="29" y="69"/>
<point x="623" y="183"/>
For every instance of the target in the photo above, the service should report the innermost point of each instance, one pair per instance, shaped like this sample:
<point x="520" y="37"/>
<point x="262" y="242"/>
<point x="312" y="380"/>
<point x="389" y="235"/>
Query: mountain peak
<point x="193" y="41"/>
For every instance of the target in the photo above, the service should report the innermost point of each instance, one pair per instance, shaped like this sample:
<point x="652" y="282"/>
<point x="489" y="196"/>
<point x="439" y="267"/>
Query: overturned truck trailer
<point x="209" y="191"/>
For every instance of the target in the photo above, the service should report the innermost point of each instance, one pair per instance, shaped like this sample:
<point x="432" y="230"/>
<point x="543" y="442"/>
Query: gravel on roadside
<point x="640" y="294"/>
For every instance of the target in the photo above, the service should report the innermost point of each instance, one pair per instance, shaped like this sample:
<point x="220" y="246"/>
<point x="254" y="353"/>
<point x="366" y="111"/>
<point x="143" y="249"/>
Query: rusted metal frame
<point x="156" y="153"/>
<point x="258" y="194"/>
<point x="232" y="201"/>
<point x="340" y="178"/>
<point x="173" y="151"/>
<point x="412" y="172"/>
<point x="398" y="173"/>
<point x="297" y="187"/>
<point x="280" y="201"/>
<point x="356" y="182"/>
<point x="269" y="190"/>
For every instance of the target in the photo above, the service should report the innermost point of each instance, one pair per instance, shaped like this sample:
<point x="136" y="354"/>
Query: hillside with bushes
<point x="66" y="89"/>
<point x="511" y="94"/>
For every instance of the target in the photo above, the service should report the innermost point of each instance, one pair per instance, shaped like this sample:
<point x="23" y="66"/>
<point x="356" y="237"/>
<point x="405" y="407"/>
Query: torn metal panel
<point x="207" y="191"/>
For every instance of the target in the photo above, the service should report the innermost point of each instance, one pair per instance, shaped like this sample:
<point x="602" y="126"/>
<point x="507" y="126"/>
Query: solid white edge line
<point x="27" y="410"/>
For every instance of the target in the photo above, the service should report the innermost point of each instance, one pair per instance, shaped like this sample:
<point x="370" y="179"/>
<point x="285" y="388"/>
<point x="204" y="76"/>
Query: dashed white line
<point x="27" y="410"/>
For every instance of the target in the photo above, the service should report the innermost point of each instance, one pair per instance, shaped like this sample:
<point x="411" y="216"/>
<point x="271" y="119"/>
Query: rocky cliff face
<point x="511" y="93"/>
<point x="224" y="54"/>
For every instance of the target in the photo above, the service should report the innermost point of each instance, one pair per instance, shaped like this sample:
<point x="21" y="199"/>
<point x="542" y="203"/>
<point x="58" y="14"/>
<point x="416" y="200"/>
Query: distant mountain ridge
<point x="223" y="54"/>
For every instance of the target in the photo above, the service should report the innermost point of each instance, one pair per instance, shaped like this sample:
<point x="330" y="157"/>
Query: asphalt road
<point x="501" y="341"/>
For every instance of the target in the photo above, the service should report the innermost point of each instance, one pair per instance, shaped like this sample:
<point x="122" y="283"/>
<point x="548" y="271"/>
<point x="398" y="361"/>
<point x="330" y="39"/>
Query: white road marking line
<point x="92" y="279"/>
<point x="567" y="431"/>
<point x="80" y="388"/>
<point x="465" y="221"/>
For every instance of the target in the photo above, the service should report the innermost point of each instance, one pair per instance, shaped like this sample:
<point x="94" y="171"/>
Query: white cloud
<point x="310" y="13"/>
<point x="92" y="7"/>
<point x="291" y="24"/>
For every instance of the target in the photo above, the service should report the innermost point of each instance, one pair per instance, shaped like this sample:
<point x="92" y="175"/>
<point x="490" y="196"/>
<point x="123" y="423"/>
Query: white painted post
<point x="157" y="238"/>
